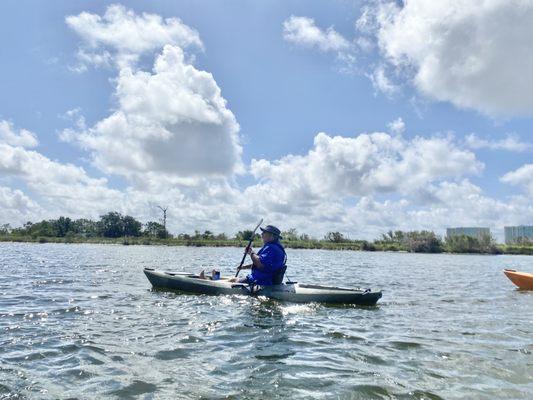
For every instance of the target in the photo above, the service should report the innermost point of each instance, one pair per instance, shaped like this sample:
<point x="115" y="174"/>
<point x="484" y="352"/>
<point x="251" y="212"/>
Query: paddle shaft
<point x="247" y="247"/>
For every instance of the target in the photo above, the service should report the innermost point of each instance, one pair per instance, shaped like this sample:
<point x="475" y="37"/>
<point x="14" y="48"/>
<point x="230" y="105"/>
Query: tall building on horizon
<point x="518" y="234"/>
<point x="475" y="232"/>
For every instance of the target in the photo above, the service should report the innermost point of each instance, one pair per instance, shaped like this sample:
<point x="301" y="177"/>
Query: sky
<point x="352" y="116"/>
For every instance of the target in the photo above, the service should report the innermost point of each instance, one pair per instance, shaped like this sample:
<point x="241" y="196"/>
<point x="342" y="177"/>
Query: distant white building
<point x="474" y="232"/>
<point x="518" y="234"/>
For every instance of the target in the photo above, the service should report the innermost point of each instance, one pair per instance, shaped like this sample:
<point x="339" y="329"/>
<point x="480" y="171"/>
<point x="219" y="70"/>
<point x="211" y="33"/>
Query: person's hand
<point x="249" y="250"/>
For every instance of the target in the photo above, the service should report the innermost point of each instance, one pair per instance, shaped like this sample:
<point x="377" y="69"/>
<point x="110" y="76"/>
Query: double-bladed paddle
<point x="247" y="247"/>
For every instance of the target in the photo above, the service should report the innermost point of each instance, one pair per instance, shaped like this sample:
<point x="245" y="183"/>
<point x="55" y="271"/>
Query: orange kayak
<point x="523" y="280"/>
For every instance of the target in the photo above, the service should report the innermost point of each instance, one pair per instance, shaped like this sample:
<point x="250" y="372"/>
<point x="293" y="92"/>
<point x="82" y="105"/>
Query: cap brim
<point x="264" y="230"/>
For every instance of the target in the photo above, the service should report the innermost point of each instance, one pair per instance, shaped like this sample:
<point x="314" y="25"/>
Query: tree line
<point x="116" y="225"/>
<point x="110" y="225"/>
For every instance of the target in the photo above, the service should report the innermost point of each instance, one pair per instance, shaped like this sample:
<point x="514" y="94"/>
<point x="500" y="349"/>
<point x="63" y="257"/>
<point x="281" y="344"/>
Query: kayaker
<point x="268" y="261"/>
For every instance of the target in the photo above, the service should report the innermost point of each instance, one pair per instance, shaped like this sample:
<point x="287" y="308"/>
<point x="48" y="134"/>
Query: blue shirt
<point x="272" y="257"/>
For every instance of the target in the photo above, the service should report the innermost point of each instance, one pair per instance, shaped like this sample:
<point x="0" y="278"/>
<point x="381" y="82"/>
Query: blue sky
<point x="461" y="152"/>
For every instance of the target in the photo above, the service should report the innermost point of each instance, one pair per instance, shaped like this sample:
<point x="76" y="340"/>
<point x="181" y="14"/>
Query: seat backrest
<point x="277" y="279"/>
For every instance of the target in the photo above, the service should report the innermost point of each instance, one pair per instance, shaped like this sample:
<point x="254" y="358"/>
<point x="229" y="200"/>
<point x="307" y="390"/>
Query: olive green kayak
<point x="290" y="291"/>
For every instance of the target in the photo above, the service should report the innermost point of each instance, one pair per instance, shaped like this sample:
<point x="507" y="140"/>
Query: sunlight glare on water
<point x="81" y="321"/>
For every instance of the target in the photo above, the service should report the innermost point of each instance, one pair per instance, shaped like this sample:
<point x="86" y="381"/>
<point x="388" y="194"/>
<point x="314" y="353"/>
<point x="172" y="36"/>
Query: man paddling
<point x="268" y="261"/>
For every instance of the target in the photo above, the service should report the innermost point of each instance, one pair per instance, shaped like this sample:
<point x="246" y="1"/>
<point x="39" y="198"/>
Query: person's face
<point x="267" y="237"/>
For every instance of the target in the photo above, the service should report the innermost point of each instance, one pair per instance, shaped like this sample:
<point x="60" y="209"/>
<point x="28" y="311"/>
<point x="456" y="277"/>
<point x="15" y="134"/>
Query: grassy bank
<point x="356" y="245"/>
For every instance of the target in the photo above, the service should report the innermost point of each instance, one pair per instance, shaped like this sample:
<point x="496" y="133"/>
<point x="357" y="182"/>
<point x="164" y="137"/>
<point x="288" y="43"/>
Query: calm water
<point x="80" y="321"/>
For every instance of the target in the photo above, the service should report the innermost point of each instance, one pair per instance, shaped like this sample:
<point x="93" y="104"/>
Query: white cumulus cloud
<point x="122" y="35"/>
<point x="397" y="126"/>
<point x="509" y="143"/>
<point x="16" y="207"/>
<point x="382" y="82"/>
<point x="16" y="137"/>
<point x="66" y="187"/>
<point x="523" y="177"/>
<point x="339" y="167"/>
<point x="303" y="31"/>
<point x="172" y="120"/>
<point x="476" y="55"/>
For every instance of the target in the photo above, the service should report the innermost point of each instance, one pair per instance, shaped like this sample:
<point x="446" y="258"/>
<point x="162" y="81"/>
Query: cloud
<point x="476" y="55"/>
<point x="463" y="203"/>
<point x="173" y="121"/>
<point x="397" y="126"/>
<point x="102" y="59"/>
<point x="54" y="188"/>
<point x="65" y="187"/>
<point x="367" y="164"/>
<point x="21" y="137"/>
<point x="510" y="143"/>
<point x="335" y="186"/>
<point x="381" y="81"/>
<point x="523" y="177"/>
<point x="123" y="36"/>
<point x="303" y="31"/>
<point x="173" y="136"/>
<point x="454" y="203"/>
<point x="16" y="207"/>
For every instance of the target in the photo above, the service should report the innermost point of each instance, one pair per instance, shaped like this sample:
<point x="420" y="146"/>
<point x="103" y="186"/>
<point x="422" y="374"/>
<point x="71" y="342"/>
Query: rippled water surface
<point x="81" y="321"/>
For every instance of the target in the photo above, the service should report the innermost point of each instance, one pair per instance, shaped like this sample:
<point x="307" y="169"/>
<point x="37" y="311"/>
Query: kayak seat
<point x="277" y="279"/>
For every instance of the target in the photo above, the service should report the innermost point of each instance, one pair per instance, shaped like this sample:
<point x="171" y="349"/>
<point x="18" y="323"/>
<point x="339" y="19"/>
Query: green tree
<point x="131" y="226"/>
<point x="335" y="237"/>
<point x="85" y="227"/>
<point x="45" y="228"/>
<point x="468" y="244"/>
<point x="155" y="229"/>
<point x="422" y="242"/>
<point x="24" y="229"/>
<point x="244" y="235"/>
<point x="5" y="229"/>
<point x="111" y="225"/>
<point x="62" y="226"/>
<point x="207" y="235"/>
<point x="397" y="237"/>
<point x="290" y="235"/>
<point x="305" y="237"/>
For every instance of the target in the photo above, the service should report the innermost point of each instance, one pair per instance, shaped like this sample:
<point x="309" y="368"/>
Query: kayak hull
<point x="291" y="292"/>
<point x="523" y="280"/>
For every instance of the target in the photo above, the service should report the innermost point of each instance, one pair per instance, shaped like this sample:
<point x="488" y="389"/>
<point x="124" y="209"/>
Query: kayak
<point x="290" y="291"/>
<point x="523" y="280"/>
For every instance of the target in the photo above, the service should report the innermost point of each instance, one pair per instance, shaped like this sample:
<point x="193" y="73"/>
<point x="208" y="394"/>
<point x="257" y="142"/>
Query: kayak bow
<point x="523" y="280"/>
<point x="292" y="292"/>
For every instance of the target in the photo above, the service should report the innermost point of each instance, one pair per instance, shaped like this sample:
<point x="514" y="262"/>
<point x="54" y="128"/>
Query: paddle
<point x="247" y="247"/>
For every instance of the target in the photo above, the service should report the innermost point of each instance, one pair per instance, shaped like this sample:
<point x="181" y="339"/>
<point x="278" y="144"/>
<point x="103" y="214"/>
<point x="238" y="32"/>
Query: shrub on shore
<point x="114" y="228"/>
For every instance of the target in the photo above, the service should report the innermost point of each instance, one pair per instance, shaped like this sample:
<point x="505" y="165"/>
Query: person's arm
<point x="249" y="266"/>
<point x="255" y="259"/>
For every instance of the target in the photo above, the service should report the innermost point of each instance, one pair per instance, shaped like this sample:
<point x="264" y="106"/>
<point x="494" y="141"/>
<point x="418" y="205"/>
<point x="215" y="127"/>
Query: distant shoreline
<point x="298" y="244"/>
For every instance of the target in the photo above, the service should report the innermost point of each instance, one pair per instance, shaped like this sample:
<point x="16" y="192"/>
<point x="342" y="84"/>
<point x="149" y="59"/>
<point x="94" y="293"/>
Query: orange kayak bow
<point x="523" y="280"/>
